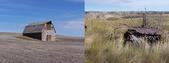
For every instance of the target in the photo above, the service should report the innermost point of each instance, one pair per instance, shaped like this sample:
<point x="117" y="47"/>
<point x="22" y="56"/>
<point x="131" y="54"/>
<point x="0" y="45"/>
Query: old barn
<point x="44" y="31"/>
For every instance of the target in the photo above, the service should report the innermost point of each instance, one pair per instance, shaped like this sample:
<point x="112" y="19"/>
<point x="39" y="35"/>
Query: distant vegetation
<point x="112" y="18"/>
<point x="104" y="41"/>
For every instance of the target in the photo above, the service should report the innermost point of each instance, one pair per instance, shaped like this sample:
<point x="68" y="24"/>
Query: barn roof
<point x="40" y="23"/>
<point x="36" y="27"/>
<point x="147" y="30"/>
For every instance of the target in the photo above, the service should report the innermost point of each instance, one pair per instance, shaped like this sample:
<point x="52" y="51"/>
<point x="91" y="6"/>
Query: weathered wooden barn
<point x="44" y="31"/>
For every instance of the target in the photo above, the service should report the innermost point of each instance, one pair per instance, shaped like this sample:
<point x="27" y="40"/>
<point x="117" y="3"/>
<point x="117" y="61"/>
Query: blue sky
<point x="67" y="15"/>
<point x="126" y="5"/>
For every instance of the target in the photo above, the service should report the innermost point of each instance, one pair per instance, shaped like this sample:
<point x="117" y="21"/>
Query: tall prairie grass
<point x="104" y="44"/>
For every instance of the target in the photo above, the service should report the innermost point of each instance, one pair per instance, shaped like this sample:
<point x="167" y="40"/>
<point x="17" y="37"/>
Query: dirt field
<point x="16" y="50"/>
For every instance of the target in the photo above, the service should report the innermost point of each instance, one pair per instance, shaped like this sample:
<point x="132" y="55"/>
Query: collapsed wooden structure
<point x="44" y="31"/>
<point x="137" y="34"/>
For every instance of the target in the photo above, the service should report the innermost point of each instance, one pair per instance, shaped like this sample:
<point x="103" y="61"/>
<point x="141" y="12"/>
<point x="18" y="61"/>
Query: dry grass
<point x="24" y="38"/>
<point x="19" y="50"/>
<point x="103" y="43"/>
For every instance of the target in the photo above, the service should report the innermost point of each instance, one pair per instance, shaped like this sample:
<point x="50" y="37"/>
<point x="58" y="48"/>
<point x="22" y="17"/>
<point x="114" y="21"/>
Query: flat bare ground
<point x="17" y="50"/>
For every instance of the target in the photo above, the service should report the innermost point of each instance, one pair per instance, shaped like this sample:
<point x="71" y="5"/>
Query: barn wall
<point x="48" y="32"/>
<point x="33" y="35"/>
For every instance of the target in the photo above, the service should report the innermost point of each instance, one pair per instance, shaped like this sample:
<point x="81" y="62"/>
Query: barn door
<point x="49" y="37"/>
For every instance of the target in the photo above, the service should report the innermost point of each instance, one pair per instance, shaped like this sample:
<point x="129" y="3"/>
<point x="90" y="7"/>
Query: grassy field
<point x="104" y="42"/>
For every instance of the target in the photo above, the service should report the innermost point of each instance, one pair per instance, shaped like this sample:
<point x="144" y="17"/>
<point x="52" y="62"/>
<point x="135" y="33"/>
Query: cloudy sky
<point x="67" y="15"/>
<point x="126" y="5"/>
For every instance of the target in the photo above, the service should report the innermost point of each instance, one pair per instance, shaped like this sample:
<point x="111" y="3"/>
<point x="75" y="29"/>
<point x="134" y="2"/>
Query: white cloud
<point x="148" y="3"/>
<point x="76" y="24"/>
<point x="135" y="4"/>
